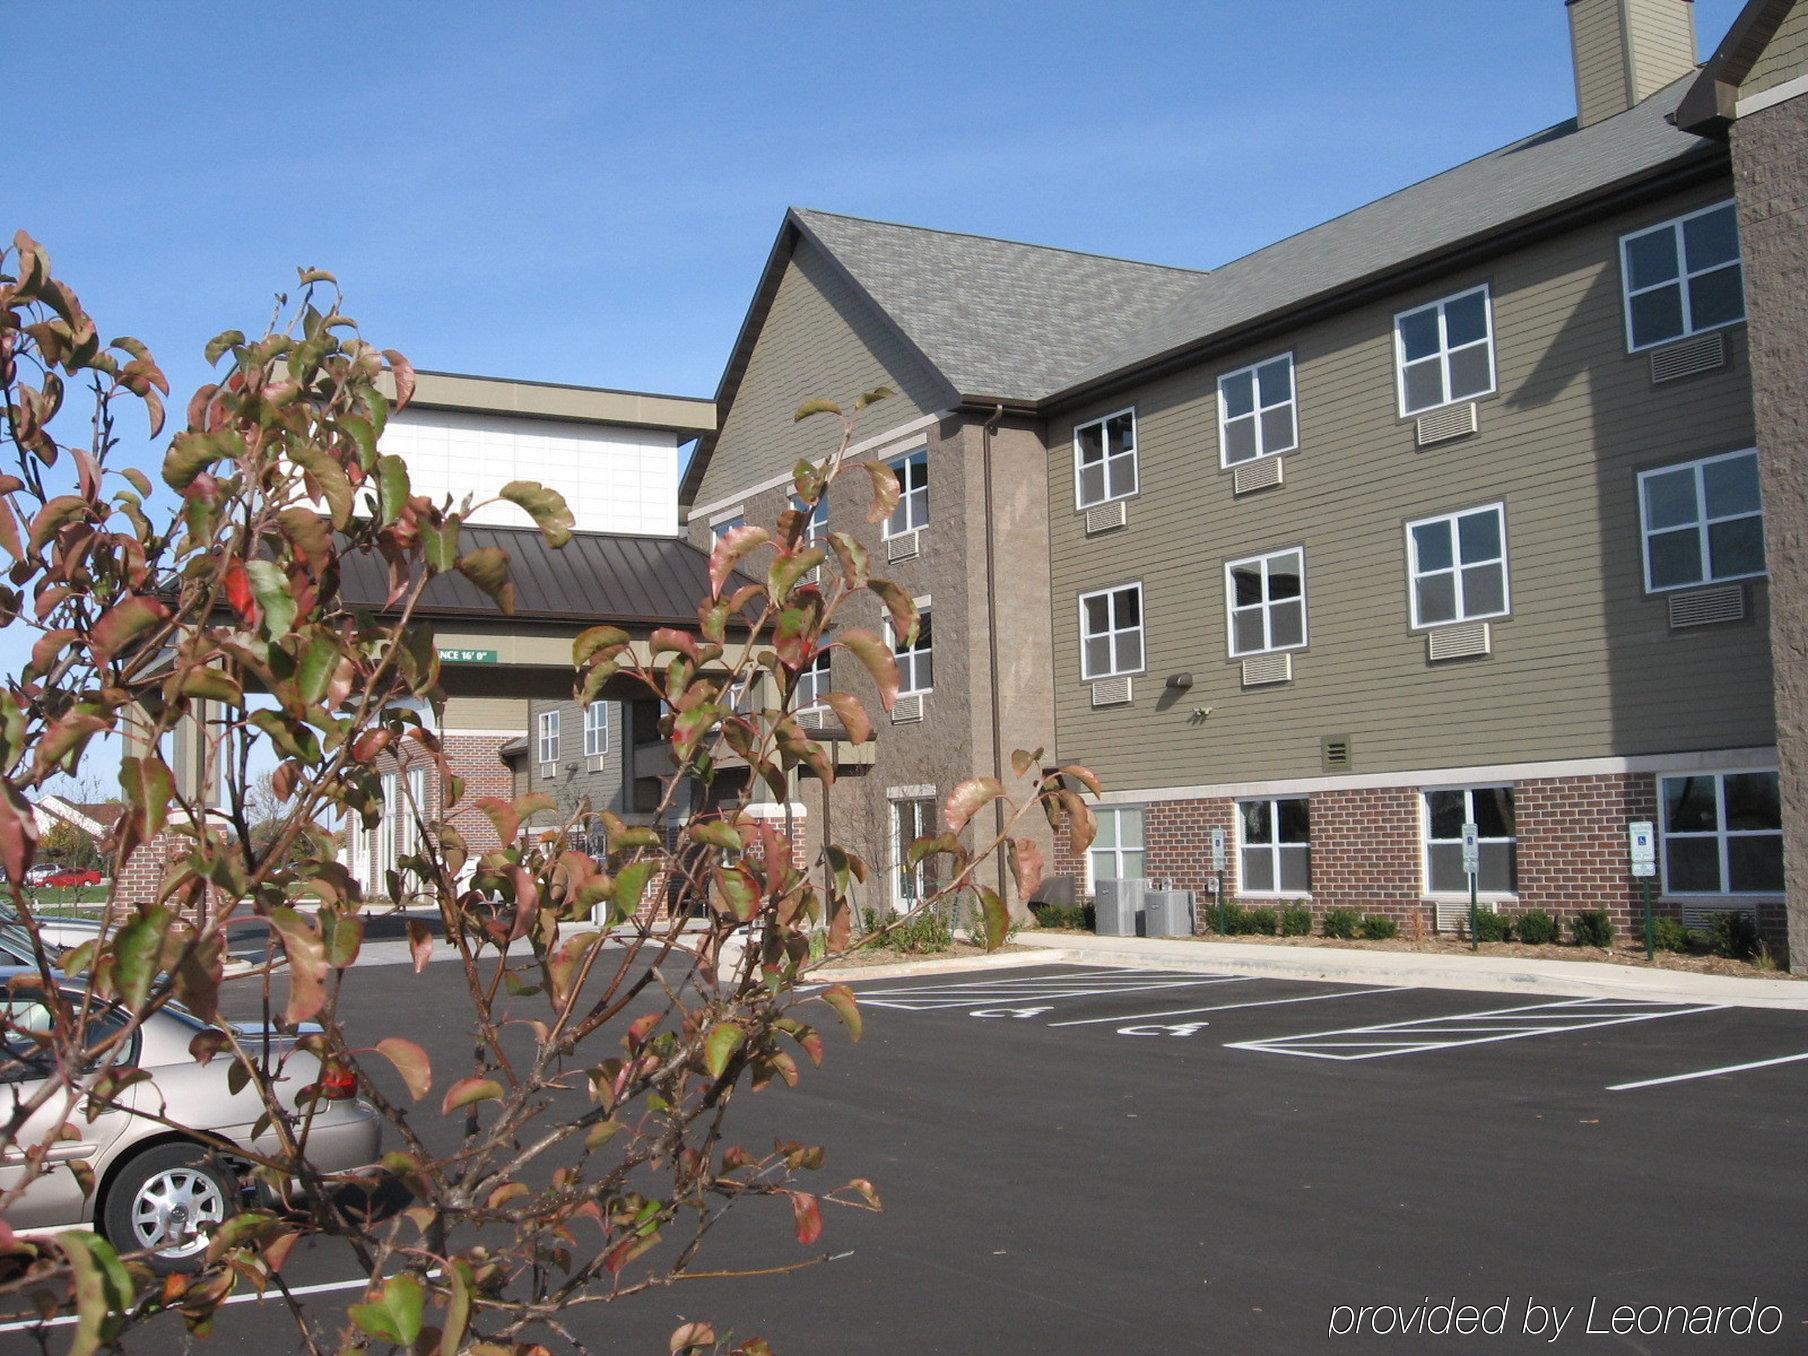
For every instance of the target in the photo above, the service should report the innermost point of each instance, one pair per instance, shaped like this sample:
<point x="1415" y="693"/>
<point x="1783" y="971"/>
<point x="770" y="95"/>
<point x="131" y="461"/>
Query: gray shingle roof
<point x="997" y="318"/>
<point x="1480" y="197"/>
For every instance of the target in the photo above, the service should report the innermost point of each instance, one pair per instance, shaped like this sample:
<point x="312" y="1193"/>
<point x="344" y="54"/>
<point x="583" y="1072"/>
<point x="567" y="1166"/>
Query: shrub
<point x="1734" y="935"/>
<point x="1068" y="917"/>
<point x="1670" y="935"/>
<point x="1592" y="927"/>
<point x="1343" y="923"/>
<point x="1377" y="928"/>
<point x="1230" y="920"/>
<point x="1264" y="921"/>
<point x="1492" y="927"/>
<point x="1536" y="928"/>
<point x="1296" y="921"/>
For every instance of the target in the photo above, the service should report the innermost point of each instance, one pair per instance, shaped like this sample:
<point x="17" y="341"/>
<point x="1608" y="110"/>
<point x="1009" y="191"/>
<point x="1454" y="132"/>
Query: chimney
<point x="1627" y="50"/>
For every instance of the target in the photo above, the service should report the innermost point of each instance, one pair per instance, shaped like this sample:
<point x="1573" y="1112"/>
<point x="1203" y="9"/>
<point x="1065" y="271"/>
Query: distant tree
<point x="66" y="845"/>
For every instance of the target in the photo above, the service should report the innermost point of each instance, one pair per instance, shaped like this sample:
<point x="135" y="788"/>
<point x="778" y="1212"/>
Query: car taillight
<point x="338" y="1083"/>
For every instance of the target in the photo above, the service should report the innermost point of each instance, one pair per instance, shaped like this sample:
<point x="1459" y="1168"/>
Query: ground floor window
<point x="1117" y="850"/>
<point x="1274" y="847"/>
<point x="910" y="820"/>
<point x="1490" y="808"/>
<point x="1723" y="833"/>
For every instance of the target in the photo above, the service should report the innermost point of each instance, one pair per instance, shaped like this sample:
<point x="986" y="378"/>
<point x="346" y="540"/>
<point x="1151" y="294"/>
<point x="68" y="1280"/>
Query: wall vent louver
<point x="1704" y="607"/>
<point x="905" y="546"/>
<point x="1336" y="752"/>
<point x="1700" y="917"/>
<point x="1466" y="640"/>
<point x="1111" y="692"/>
<point x="907" y="708"/>
<point x="1440" y="426"/>
<point x="1261" y="474"/>
<point x="813" y="718"/>
<point x="1703" y="353"/>
<point x="1268" y="668"/>
<point x="1106" y="518"/>
<point x="1453" y="914"/>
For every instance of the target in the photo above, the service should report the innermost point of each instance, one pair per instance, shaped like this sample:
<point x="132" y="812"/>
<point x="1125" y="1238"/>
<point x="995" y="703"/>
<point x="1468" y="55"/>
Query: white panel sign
<point x="1472" y="850"/>
<point x="1641" y="837"/>
<point x="1217" y="849"/>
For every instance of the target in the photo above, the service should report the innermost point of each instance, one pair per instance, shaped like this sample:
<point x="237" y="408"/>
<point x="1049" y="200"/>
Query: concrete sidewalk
<point x="1411" y="969"/>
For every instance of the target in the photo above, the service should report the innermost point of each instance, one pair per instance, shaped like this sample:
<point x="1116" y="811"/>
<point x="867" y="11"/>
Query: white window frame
<point x="358" y="848"/>
<point x="891" y="639"/>
<point x="922" y="810"/>
<point x="384" y="858"/>
<point x="1682" y="279"/>
<point x="1499" y="508"/>
<point x="1117" y="851"/>
<point x="1721" y="834"/>
<point x="899" y="465"/>
<point x="1272" y="847"/>
<point x="1425" y="839"/>
<point x="721" y="526"/>
<point x="1258" y="410"/>
<point x="414" y="803"/>
<point x="1702" y="522"/>
<point x="819" y="667"/>
<point x="816" y="524"/>
<point x="1443" y="354"/>
<point x="1114" y="631"/>
<point x="1231" y="607"/>
<point x="548" y="732"/>
<point x="596" y="729"/>
<point x="1134" y="454"/>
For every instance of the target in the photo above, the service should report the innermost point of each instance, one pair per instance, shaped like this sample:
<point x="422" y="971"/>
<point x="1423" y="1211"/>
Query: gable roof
<point x="1710" y="103"/>
<point x="1471" y="206"/>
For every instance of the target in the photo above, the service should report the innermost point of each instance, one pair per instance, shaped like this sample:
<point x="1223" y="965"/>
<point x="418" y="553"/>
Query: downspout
<point x="986" y="431"/>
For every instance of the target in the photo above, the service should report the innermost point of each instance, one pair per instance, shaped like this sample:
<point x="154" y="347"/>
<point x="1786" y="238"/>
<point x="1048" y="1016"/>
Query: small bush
<point x="1342" y="923"/>
<point x="1592" y="927"/>
<point x="1536" y="928"/>
<point x="1492" y="927"/>
<point x="1067" y="917"/>
<point x="1296" y="921"/>
<point x="1734" y="935"/>
<point x="1376" y="928"/>
<point x="1231" y="920"/>
<point x="1670" y="935"/>
<point x="1263" y="922"/>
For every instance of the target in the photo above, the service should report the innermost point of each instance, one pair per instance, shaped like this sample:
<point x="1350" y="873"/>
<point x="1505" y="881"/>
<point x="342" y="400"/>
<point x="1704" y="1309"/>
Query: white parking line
<point x="1706" y="1073"/>
<point x="1223" y="1007"/>
<point x="248" y="1298"/>
<point x="1428" y="1033"/>
<point x="981" y="998"/>
<point x="1040" y="981"/>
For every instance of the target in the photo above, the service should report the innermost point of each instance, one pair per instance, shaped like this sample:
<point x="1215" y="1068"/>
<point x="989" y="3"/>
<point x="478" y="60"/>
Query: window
<point x="549" y="737"/>
<point x="596" y="729"/>
<point x="413" y="810"/>
<point x="1111" y="632"/>
<point x="1702" y="522"/>
<point x="812" y="682"/>
<point x="727" y="525"/>
<point x="916" y="663"/>
<point x="911" y="820"/>
<point x="1255" y="411"/>
<point x="1266" y="600"/>
<point x="1457" y="564"/>
<point x="1105" y="459"/>
<point x="912" y="511"/>
<point x="1682" y="277"/>
<point x="1445" y="351"/>
<point x="816" y="527"/>
<point x="1490" y="809"/>
<point x="1117" y="850"/>
<point x="1275" y="855"/>
<point x="385" y="857"/>
<point x="1723" y="834"/>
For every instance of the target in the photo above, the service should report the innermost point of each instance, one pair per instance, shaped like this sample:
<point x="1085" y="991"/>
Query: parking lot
<point x="1091" y="1159"/>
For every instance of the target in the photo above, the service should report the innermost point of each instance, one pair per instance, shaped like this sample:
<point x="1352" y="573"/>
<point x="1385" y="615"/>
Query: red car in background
<point x="62" y="878"/>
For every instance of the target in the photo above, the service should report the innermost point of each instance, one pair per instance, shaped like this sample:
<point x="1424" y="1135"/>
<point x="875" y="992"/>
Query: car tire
<point x="178" y="1189"/>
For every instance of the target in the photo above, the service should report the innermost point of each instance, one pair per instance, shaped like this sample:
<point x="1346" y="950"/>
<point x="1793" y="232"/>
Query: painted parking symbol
<point x="1007" y="1012"/>
<point x="1163" y="1029"/>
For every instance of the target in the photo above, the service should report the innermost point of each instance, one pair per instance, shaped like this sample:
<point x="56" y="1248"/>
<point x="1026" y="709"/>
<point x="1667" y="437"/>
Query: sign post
<point x="1641" y="836"/>
<point x="1472" y="865"/>
<point x="1218" y="871"/>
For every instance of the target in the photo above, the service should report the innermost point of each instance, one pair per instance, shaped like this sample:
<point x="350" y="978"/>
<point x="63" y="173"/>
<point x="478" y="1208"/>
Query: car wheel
<point x="167" y="1199"/>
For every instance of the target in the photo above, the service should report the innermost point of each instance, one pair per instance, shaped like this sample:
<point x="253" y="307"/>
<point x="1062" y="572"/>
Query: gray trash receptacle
<point x="1118" y="906"/>
<point x="1168" y="913"/>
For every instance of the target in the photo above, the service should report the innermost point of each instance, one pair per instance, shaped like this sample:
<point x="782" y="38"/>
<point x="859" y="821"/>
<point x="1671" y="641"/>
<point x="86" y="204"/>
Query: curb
<point x="1007" y="960"/>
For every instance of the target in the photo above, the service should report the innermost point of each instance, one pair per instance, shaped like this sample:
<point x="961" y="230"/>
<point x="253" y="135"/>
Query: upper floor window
<point x="727" y="525"/>
<point x="1275" y="846"/>
<point x="1445" y="351"/>
<point x="1256" y="412"/>
<point x="1490" y="809"/>
<point x="916" y="660"/>
<point x="549" y="736"/>
<point x="1723" y="834"/>
<point x="1111" y="632"/>
<point x="1457" y="563"/>
<point x="1702" y="521"/>
<point x="816" y="526"/>
<point x="596" y="729"/>
<point x="812" y="682"/>
<point x="1682" y="277"/>
<point x="912" y="511"/>
<point x="1105" y="459"/>
<point x="1266" y="599"/>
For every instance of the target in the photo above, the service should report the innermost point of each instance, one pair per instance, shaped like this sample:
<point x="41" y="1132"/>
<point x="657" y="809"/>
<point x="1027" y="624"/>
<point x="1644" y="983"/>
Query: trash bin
<point x="1168" y="913"/>
<point x="1118" y="906"/>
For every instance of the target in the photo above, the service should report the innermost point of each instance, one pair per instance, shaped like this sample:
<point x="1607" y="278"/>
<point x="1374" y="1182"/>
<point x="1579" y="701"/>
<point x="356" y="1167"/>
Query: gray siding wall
<point x="1784" y="57"/>
<point x="576" y="779"/>
<point x="1585" y="665"/>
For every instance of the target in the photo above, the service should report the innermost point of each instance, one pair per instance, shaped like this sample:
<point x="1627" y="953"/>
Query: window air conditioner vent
<point x="1453" y="914"/>
<point x="1106" y="517"/>
<point x="1111" y="692"/>
<point x="1704" y="607"/>
<point x="813" y="718"/>
<point x="1261" y="474"/>
<point x="907" y="708"/>
<point x="1268" y="668"/>
<point x="1466" y="640"/>
<point x="1703" y="353"/>
<point x="905" y="546"/>
<point x="1336" y="752"/>
<point x="1440" y="426"/>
